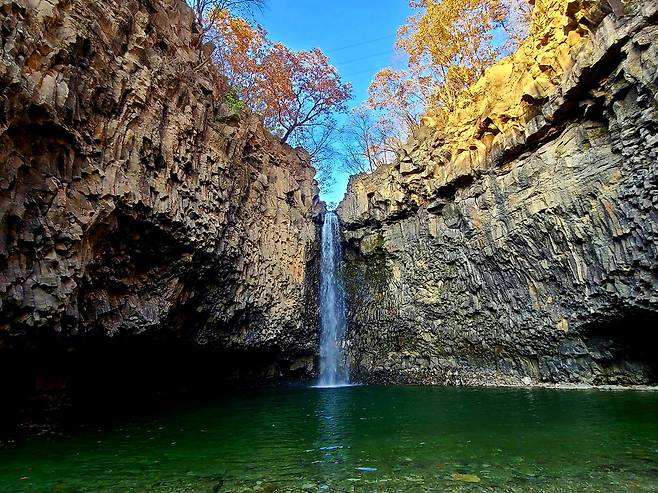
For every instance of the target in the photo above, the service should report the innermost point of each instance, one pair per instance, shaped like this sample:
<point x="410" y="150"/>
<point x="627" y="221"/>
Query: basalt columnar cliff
<point x="518" y="243"/>
<point x="137" y="209"/>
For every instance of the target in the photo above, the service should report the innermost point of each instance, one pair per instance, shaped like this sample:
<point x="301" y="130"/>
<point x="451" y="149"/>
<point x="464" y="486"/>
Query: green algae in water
<point x="360" y="439"/>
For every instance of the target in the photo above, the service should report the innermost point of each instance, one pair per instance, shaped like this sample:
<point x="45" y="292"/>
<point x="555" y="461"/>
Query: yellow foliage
<point x="449" y="44"/>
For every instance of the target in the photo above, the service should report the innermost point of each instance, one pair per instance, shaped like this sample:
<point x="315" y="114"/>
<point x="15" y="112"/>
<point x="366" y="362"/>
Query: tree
<point x="449" y="44"/>
<point x="453" y="41"/>
<point x="324" y="175"/>
<point x="301" y="90"/>
<point x="243" y="8"/>
<point x="400" y="96"/>
<point x="297" y="93"/>
<point x="318" y="140"/>
<point x="367" y="144"/>
<point x="240" y="49"/>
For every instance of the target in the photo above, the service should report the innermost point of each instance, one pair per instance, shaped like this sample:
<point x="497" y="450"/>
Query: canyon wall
<point x="136" y="204"/>
<point x="518" y="243"/>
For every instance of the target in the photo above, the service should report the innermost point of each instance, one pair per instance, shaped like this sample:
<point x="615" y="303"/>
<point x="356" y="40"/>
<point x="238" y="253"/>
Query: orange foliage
<point x="400" y="94"/>
<point x="240" y="48"/>
<point x="296" y="92"/>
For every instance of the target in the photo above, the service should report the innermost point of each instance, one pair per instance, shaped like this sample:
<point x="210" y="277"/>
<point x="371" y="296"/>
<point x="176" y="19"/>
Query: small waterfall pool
<point x="333" y="321"/>
<point x="357" y="439"/>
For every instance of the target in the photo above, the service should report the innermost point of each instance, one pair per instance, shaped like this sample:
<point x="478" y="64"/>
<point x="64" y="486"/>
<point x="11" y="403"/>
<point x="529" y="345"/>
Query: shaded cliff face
<point x="134" y="204"/>
<point x="519" y="244"/>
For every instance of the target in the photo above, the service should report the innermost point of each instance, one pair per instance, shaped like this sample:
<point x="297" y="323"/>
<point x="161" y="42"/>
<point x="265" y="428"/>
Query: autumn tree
<point x="449" y="44"/>
<point x="400" y="96"/>
<point x="298" y="93"/>
<point x="302" y="91"/>
<point x="453" y="41"/>
<point x="240" y="50"/>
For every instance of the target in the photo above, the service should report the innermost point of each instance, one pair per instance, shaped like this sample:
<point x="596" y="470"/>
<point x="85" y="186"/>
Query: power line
<point x="361" y="43"/>
<point x="367" y="57"/>
<point x="372" y="70"/>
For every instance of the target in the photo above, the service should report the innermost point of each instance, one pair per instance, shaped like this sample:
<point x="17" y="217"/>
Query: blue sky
<point x="358" y="36"/>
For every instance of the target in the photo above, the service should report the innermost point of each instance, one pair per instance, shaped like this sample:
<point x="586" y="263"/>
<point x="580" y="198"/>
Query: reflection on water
<point x="332" y="431"/>
<point x="359" y="439"/>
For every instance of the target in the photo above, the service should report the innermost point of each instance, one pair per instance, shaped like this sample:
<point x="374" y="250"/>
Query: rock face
<point x="519" y="244"/>
<point x="134" y="201"/>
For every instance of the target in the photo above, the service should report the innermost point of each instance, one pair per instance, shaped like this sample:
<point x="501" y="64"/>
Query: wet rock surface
<point x="518" y="245"/>
<point x="134" y="201"/>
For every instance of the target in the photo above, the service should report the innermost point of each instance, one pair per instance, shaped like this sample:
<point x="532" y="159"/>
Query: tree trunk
<point x="286" y="136"/>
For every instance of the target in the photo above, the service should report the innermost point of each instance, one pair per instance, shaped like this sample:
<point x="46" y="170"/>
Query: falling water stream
<point x="333" y="371"/>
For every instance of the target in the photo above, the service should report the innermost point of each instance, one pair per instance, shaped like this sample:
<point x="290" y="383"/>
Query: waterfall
<point x="332" y="306"/>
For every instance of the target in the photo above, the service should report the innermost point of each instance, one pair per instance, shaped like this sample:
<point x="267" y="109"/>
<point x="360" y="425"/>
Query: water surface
<point x="359" y="439"/>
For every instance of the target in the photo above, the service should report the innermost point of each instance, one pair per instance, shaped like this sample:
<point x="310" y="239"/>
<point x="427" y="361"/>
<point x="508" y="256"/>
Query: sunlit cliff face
<point x="508" y="96"/>
<point x="511" y="245"/>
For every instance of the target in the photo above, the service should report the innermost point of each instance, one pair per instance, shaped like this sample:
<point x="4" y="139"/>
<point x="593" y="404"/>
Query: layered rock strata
<point x="518" y="244"/>
<point x="134" y="201"/>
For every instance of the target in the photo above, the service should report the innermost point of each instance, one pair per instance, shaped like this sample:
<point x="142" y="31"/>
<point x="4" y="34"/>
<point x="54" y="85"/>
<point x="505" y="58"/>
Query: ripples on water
<point x="360" y="439"/>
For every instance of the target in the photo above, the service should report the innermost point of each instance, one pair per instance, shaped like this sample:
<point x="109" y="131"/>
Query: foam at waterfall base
<point x="335" y="386"/>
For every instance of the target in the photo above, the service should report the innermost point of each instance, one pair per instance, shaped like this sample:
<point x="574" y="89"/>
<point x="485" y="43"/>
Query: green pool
<point x="359" y="439"/>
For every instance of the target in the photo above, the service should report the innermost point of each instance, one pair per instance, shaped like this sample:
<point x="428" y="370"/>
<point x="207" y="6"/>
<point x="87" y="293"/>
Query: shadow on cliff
<point x="625" y="347"/>
<point x="139" y="334"/>
<point x="56" y="384"/>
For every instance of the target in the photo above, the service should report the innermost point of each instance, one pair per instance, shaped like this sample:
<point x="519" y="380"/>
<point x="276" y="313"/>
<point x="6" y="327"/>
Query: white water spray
<point x="333" y="371"/>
